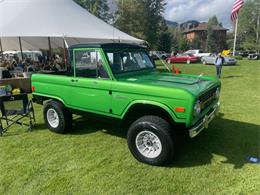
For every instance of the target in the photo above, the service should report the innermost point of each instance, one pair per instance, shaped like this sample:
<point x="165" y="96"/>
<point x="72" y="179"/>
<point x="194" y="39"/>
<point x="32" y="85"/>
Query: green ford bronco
<point x="120" y="81"/>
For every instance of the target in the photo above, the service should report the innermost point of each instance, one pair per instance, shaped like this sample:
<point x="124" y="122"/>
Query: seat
<point x="15" y="109"/>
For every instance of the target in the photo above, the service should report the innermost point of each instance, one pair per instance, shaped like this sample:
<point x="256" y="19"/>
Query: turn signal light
<point x="180" y="109"/>
<point x="33" y="88"/>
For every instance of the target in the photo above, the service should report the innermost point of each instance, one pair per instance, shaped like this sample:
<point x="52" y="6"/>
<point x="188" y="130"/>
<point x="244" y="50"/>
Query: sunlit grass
<point x="94" y="159"/>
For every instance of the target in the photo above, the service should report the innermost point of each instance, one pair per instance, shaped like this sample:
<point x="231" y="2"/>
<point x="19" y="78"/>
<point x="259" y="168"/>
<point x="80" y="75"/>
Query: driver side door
<point x="90" y="83"/>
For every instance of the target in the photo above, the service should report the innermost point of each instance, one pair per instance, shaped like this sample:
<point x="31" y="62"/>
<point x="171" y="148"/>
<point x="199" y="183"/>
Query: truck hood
<point x="195" y="84"/>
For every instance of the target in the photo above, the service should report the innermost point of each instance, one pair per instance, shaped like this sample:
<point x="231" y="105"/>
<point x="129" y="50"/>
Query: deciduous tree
<point x="249" y="25"/>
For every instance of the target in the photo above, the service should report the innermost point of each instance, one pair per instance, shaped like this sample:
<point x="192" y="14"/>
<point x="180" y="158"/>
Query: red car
<point x="187" y="58"/>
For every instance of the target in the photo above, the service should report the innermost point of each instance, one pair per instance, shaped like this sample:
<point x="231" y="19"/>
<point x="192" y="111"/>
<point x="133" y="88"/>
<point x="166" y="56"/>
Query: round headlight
<point x="197" y="107"/>
<point x="217" y="93"/>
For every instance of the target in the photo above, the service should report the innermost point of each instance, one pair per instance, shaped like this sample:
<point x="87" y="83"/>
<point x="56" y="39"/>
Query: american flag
<point x="235" y="9"/>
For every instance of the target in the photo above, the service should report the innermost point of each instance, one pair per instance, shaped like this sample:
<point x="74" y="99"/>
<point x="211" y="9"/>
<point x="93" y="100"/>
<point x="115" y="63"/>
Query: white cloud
<point x="201" y="10"/>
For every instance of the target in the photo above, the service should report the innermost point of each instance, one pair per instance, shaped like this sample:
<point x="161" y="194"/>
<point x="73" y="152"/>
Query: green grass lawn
<point x="94" y="159"/>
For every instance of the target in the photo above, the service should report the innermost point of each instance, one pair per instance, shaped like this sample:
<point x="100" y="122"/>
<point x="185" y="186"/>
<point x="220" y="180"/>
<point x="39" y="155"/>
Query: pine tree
<point x="213" y="21"/>
<point x="211" y="40"/>
<point x="129" y="17"/>
<point x="213" y="44"/>
<point x="99" y="8"/>
<point x="165" y="42"/>
<point x="141" y="18"/>
<point x="153" y="10"/>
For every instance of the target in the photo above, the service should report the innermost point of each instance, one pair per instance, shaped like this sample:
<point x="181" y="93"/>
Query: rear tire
<point x="150" y="140"/>
<point x="57" y="118"/>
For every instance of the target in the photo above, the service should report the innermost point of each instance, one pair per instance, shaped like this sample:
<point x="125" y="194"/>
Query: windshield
<point x="123" y="61"/>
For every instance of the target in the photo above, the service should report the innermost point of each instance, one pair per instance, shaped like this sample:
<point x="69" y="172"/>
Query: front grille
<point x="207" y="98"/>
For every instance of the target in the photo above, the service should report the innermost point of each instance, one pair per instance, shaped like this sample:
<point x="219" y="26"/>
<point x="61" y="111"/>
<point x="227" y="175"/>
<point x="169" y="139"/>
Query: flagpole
<point x="235" y="38"/>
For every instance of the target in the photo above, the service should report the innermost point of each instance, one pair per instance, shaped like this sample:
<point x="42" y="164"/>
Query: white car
<point x="197" y="53"/>
<point x="212" y="59"/>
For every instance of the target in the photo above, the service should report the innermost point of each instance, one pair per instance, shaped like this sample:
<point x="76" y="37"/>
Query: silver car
<point x="212" y="58"/>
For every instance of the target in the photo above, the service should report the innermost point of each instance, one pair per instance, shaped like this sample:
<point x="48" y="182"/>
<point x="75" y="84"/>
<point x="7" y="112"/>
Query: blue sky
<point x="201" y="10"/>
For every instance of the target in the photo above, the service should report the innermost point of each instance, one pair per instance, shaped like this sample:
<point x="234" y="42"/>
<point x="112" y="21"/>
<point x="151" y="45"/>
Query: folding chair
<point x="14" y="109"/>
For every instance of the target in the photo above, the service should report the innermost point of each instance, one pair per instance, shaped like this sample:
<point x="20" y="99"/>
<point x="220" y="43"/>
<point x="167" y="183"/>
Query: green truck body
<point x="190" y="100"/>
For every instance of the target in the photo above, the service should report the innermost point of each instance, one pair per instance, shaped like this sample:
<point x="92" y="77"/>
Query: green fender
<point x="157" y="104"/>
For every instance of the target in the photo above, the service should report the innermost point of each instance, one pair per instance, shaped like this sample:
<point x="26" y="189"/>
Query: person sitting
<point x="9" y="66"/>
<point x="20" y="64"/>
<point x="4" y="72"/>
<point x="47" y="66"/>
<point x="56" y="65"/>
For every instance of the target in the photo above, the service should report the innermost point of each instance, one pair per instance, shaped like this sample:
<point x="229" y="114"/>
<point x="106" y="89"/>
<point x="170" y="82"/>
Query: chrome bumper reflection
<point x="204" y="123"/>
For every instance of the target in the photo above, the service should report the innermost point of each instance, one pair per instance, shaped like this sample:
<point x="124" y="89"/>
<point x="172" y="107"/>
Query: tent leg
<point x="65" y="53"/>
<point x="1" y="49"/>
<point x="49" y="43"/>
<point x="21" y="49"/>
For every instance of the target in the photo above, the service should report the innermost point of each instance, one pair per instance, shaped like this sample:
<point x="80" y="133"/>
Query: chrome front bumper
<point x="204" y="123"/>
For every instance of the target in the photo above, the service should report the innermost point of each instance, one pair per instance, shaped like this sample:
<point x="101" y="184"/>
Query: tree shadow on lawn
<point x="233" y="141"/>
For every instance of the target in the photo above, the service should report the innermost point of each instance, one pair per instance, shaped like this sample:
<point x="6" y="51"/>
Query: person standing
<point x="218" y="63"/>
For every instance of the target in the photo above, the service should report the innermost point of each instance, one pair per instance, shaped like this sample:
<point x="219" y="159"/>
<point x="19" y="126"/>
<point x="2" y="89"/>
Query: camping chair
<point x="14" y="109"/>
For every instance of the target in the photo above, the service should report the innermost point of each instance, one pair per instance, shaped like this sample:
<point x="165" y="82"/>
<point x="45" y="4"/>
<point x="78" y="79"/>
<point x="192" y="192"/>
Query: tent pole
<point x="65" y="47"/>
<point x="49" y="43"/>
<point x="1" y="49"/>
<point x="21" y="49"/>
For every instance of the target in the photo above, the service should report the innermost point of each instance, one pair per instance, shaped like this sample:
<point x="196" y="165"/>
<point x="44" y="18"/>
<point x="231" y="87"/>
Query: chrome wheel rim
<point x="148" y="144"/>
<point x="53" y="118"/>
<point x="188" y="61"/>
<point x="169" y="61"/>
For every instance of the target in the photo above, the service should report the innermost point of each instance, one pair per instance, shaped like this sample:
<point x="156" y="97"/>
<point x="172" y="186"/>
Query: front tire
<point x="188" y="62"/>
<point x="150" y="140"/>
<point x="57" y="118"/>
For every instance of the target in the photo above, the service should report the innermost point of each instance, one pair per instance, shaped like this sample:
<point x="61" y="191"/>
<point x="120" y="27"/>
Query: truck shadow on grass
<point x="85" y="125"/>
<point x="232" y="141"/>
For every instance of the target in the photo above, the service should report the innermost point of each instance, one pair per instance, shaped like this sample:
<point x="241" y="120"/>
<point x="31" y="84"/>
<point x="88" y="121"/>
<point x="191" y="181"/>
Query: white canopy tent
<point x="38" y="22"/>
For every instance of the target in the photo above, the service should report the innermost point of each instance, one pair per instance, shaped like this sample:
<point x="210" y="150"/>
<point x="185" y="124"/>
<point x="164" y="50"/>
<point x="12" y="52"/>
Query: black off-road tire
<point x="64" y="117"/>
<point x="159" y="127"/>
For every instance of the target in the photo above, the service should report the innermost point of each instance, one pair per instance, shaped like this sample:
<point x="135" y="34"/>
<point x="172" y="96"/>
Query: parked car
<point x="156" y="55"/>
<point x="243" y="53"/>
<point x="184" y="57"/>
<point x="246" y="53"/>
<point x="119" y="81"/>
<point x="254" y="56"/>
<point x="212" y="58"/>
<point x="197" y="53"/>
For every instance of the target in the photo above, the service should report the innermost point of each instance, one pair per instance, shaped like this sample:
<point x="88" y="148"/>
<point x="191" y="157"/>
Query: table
<point x="18" y="82"/>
